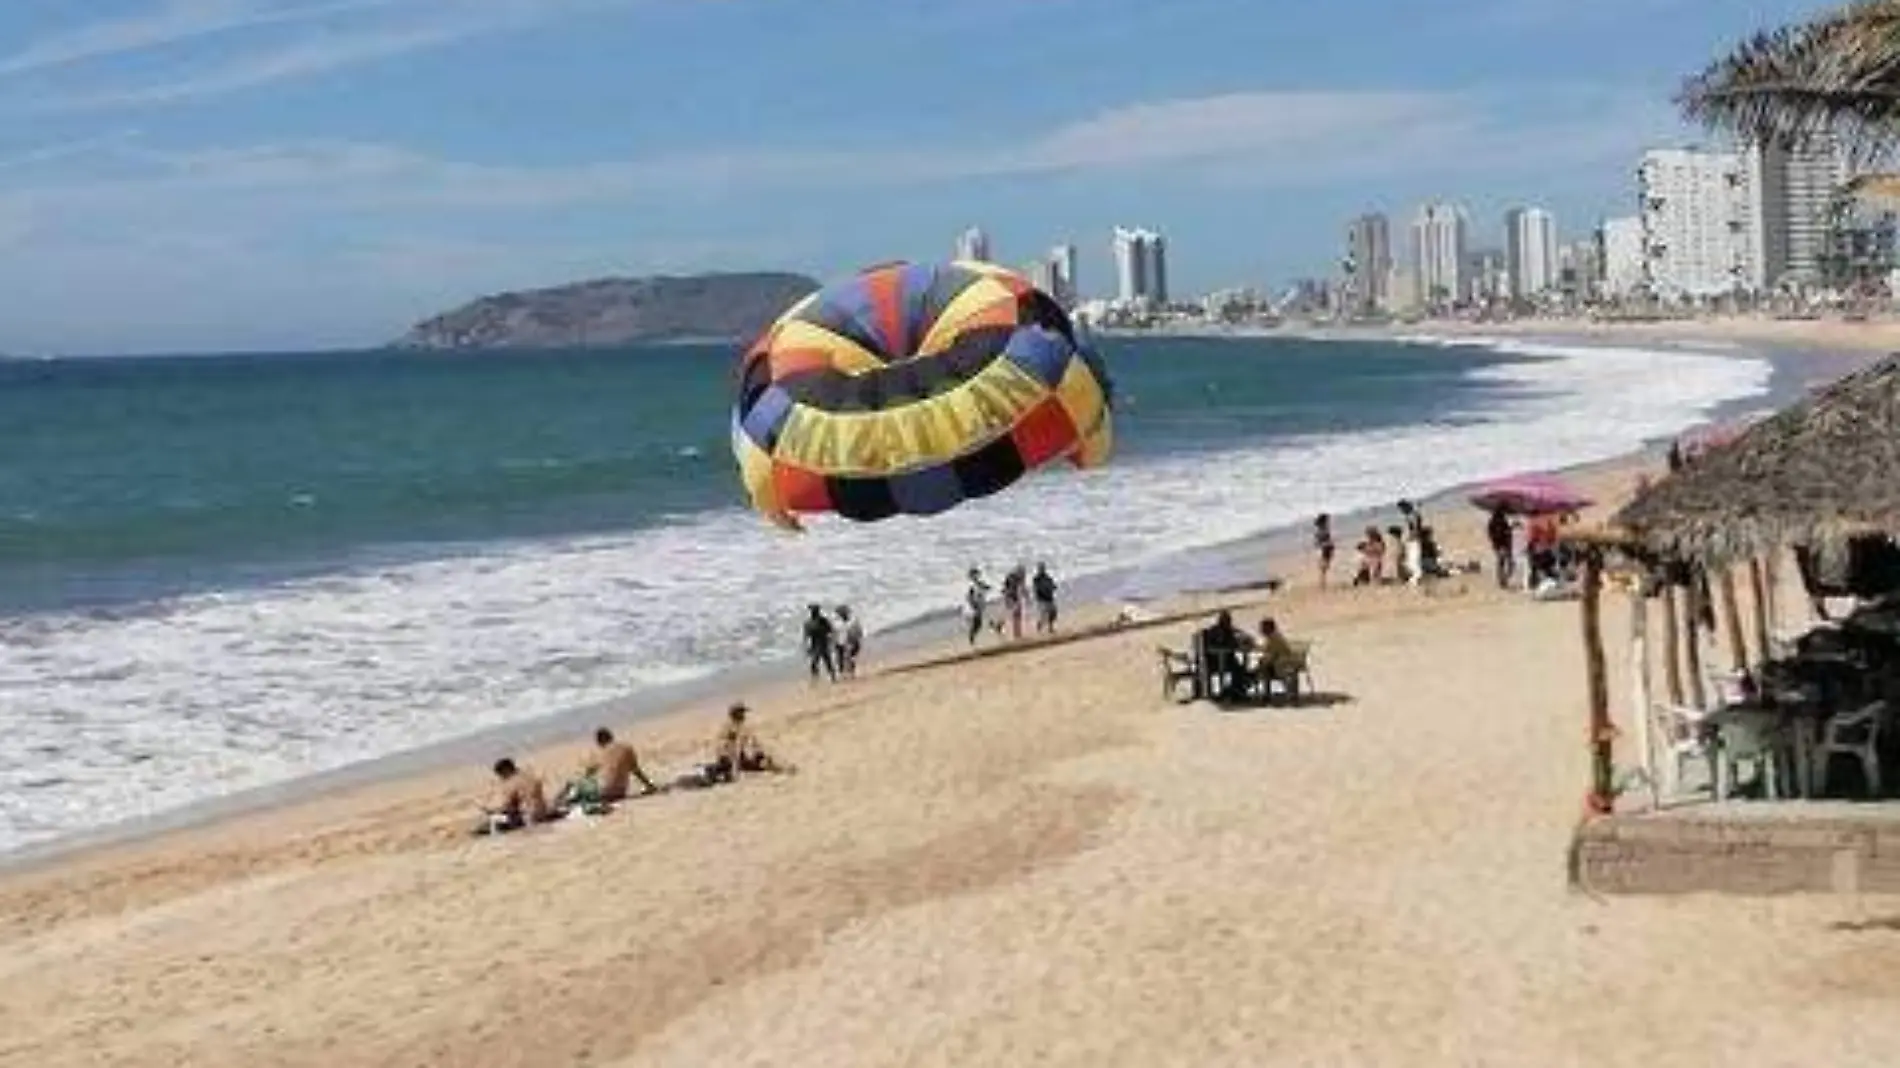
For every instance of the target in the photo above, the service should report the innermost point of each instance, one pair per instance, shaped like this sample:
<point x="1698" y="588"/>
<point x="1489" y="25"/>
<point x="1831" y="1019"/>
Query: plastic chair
<point x="1855" y="734"/>
<point x="1754" y="739"/>
<point x="1178" y="668"/>
<point x="1682" y="732"/>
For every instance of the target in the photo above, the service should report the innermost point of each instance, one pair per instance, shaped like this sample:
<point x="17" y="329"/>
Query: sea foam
<point x="118" y="715"/>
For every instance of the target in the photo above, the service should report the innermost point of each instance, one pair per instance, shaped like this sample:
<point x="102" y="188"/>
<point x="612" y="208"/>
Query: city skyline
<point x="193" y="174"/>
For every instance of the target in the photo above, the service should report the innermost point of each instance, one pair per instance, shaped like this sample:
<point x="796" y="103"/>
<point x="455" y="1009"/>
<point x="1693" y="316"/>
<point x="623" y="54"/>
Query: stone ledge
<point x="1735" y="852"/>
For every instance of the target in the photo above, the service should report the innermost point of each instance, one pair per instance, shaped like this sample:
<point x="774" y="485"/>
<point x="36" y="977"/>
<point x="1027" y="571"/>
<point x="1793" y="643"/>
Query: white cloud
<point x="311" y="37"/>
<point x="166" y="24"/>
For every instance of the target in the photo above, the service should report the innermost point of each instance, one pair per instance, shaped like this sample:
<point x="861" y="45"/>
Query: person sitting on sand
<point x="608" y="773"/>
<point x="518" y="801"/>
<point x="1371" y="559"/>
<point x="737" y="750"/>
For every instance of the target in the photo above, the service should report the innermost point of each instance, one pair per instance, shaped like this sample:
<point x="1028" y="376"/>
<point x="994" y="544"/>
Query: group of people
<point x="1546" y="559"/>
<point x="606" y="777"/>
<point x="1020" y="589"/>
<point x="833" y="647"/>
<point x="1406" y="552"/>
<point x="1240" y="663"/>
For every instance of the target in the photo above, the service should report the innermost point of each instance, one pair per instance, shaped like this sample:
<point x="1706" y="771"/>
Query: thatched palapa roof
<point x="1824" y="468"/>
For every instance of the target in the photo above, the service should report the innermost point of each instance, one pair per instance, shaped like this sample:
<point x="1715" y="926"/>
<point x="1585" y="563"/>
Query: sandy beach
<point x="1027" y="858"/>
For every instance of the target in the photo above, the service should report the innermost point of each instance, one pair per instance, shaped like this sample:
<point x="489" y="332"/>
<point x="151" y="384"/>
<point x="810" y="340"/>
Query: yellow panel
<point x="912" y="435"/>
<point x="974" y="298"/>
<point x="1081" y="396"/>
<point x="846" y="355"/>
<point x="755" y="470"/>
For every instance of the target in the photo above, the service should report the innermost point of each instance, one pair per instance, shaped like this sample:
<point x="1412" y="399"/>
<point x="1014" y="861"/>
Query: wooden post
<point x="1692" y="647"/>
<point x="1771" y="581"/>
<point x="1601" y="799"/>
<point x="1672" y="646"/>
<point x="1732" y="620"/>
<point x="1758" y="593"/>
<point x="1639" y="688"/>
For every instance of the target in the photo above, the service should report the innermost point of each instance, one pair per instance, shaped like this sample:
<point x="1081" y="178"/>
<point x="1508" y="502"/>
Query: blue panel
<point x="1042" y="353"/>
<point x="767" y="417"/>
<point x="928" y="491"/>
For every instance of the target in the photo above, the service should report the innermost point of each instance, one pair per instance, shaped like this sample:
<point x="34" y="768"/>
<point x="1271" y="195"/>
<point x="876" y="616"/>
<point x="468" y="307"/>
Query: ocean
<point x="223" y="572"/>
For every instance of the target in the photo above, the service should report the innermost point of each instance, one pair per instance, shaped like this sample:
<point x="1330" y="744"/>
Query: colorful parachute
<point x="912" y="388"/>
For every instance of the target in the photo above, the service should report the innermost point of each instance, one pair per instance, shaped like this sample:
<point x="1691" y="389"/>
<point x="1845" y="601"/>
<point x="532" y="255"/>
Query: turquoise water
<point x="126" y="478"/>
<point x="225" y="572"/>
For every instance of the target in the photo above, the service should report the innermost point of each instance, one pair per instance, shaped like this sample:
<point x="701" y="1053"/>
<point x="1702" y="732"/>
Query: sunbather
<point x="519" y="800"/>
<point x="608" y="773"/>
<point x="737" y="750"/>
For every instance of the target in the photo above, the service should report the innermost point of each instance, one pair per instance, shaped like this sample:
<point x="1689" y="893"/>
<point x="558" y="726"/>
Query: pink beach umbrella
<point x="1530" y="494"/>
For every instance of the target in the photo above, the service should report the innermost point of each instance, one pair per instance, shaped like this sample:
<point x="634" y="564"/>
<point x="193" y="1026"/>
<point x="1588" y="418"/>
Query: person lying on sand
<point x="608" y="773"/>
<point x="519" y="800"/>
<point x="737" y="750"/>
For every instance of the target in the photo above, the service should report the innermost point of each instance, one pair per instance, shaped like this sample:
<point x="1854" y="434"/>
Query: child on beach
<point x="1371" y="559"/>
<point x="1323" y="545"/>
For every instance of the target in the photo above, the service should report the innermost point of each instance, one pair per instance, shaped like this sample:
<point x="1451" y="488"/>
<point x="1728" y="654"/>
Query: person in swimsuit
<point x="519" y="799"/>
<point x="1323" y="545"/>
<point x="820" y="641"/>
<point x="737" y="750"/>
<point x="611" y="768"/>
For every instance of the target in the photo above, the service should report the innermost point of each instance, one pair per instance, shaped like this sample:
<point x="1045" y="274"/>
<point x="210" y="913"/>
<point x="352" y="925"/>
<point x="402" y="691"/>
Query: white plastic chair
<point x="1755" y="739"/>
<point x="1855" y="734"/>
<point x="1681" y="734"/>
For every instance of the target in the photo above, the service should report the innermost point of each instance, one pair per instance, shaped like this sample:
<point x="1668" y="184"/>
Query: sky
<point x="198" y="175"/>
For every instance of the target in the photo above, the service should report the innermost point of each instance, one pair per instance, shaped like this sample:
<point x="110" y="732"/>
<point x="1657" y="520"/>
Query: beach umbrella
<point x="911" y="388"/>
<point x="1530" y="494"/>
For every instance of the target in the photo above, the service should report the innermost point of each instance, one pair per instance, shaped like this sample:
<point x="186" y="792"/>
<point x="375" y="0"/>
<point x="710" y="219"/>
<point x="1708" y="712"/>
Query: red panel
<point x="800" y="490"/>
<point x="1045" y="433"/>
<point x="788" y="362"/>
<point x="884" y="288"/>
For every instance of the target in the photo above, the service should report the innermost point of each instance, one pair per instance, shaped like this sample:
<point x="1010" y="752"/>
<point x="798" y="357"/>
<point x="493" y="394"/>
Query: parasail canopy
<point x="911" y="388"/>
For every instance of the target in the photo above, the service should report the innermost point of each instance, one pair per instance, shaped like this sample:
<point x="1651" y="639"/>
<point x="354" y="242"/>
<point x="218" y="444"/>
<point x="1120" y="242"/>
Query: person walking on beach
<point x="1499" y="532"/>
<point x="1015" y="592"/>
<point x="819" y="639"/>
<point x="1323" y="545"/>
<point x="851" y="643"/>
<point x="1413" y="544"/>
<point x="975" y="598"/>
<point x="1043" y="586"/>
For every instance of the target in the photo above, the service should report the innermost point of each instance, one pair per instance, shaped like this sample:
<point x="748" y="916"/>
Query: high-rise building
<point x="1046" y="275"/>
<point x="973" y="244"/>
<point x="1063" y="256"/>
<point x="1579" y="271"/>
<point x="1487" y="276"/>
<point x="1158" y="267"/>
<point x="1794" y="186"/>
<point x="1530" y="252"/>
<point x="1369" y="264"/>
<point x="1141" y="267"/>
<point x="1620" y="250"/>
<point x="1439" y="234"/>
<point x="1697" y="215"/>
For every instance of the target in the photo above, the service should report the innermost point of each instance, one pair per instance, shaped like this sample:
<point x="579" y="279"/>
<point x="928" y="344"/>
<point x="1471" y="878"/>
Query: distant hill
<point x="615" y="311"/>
